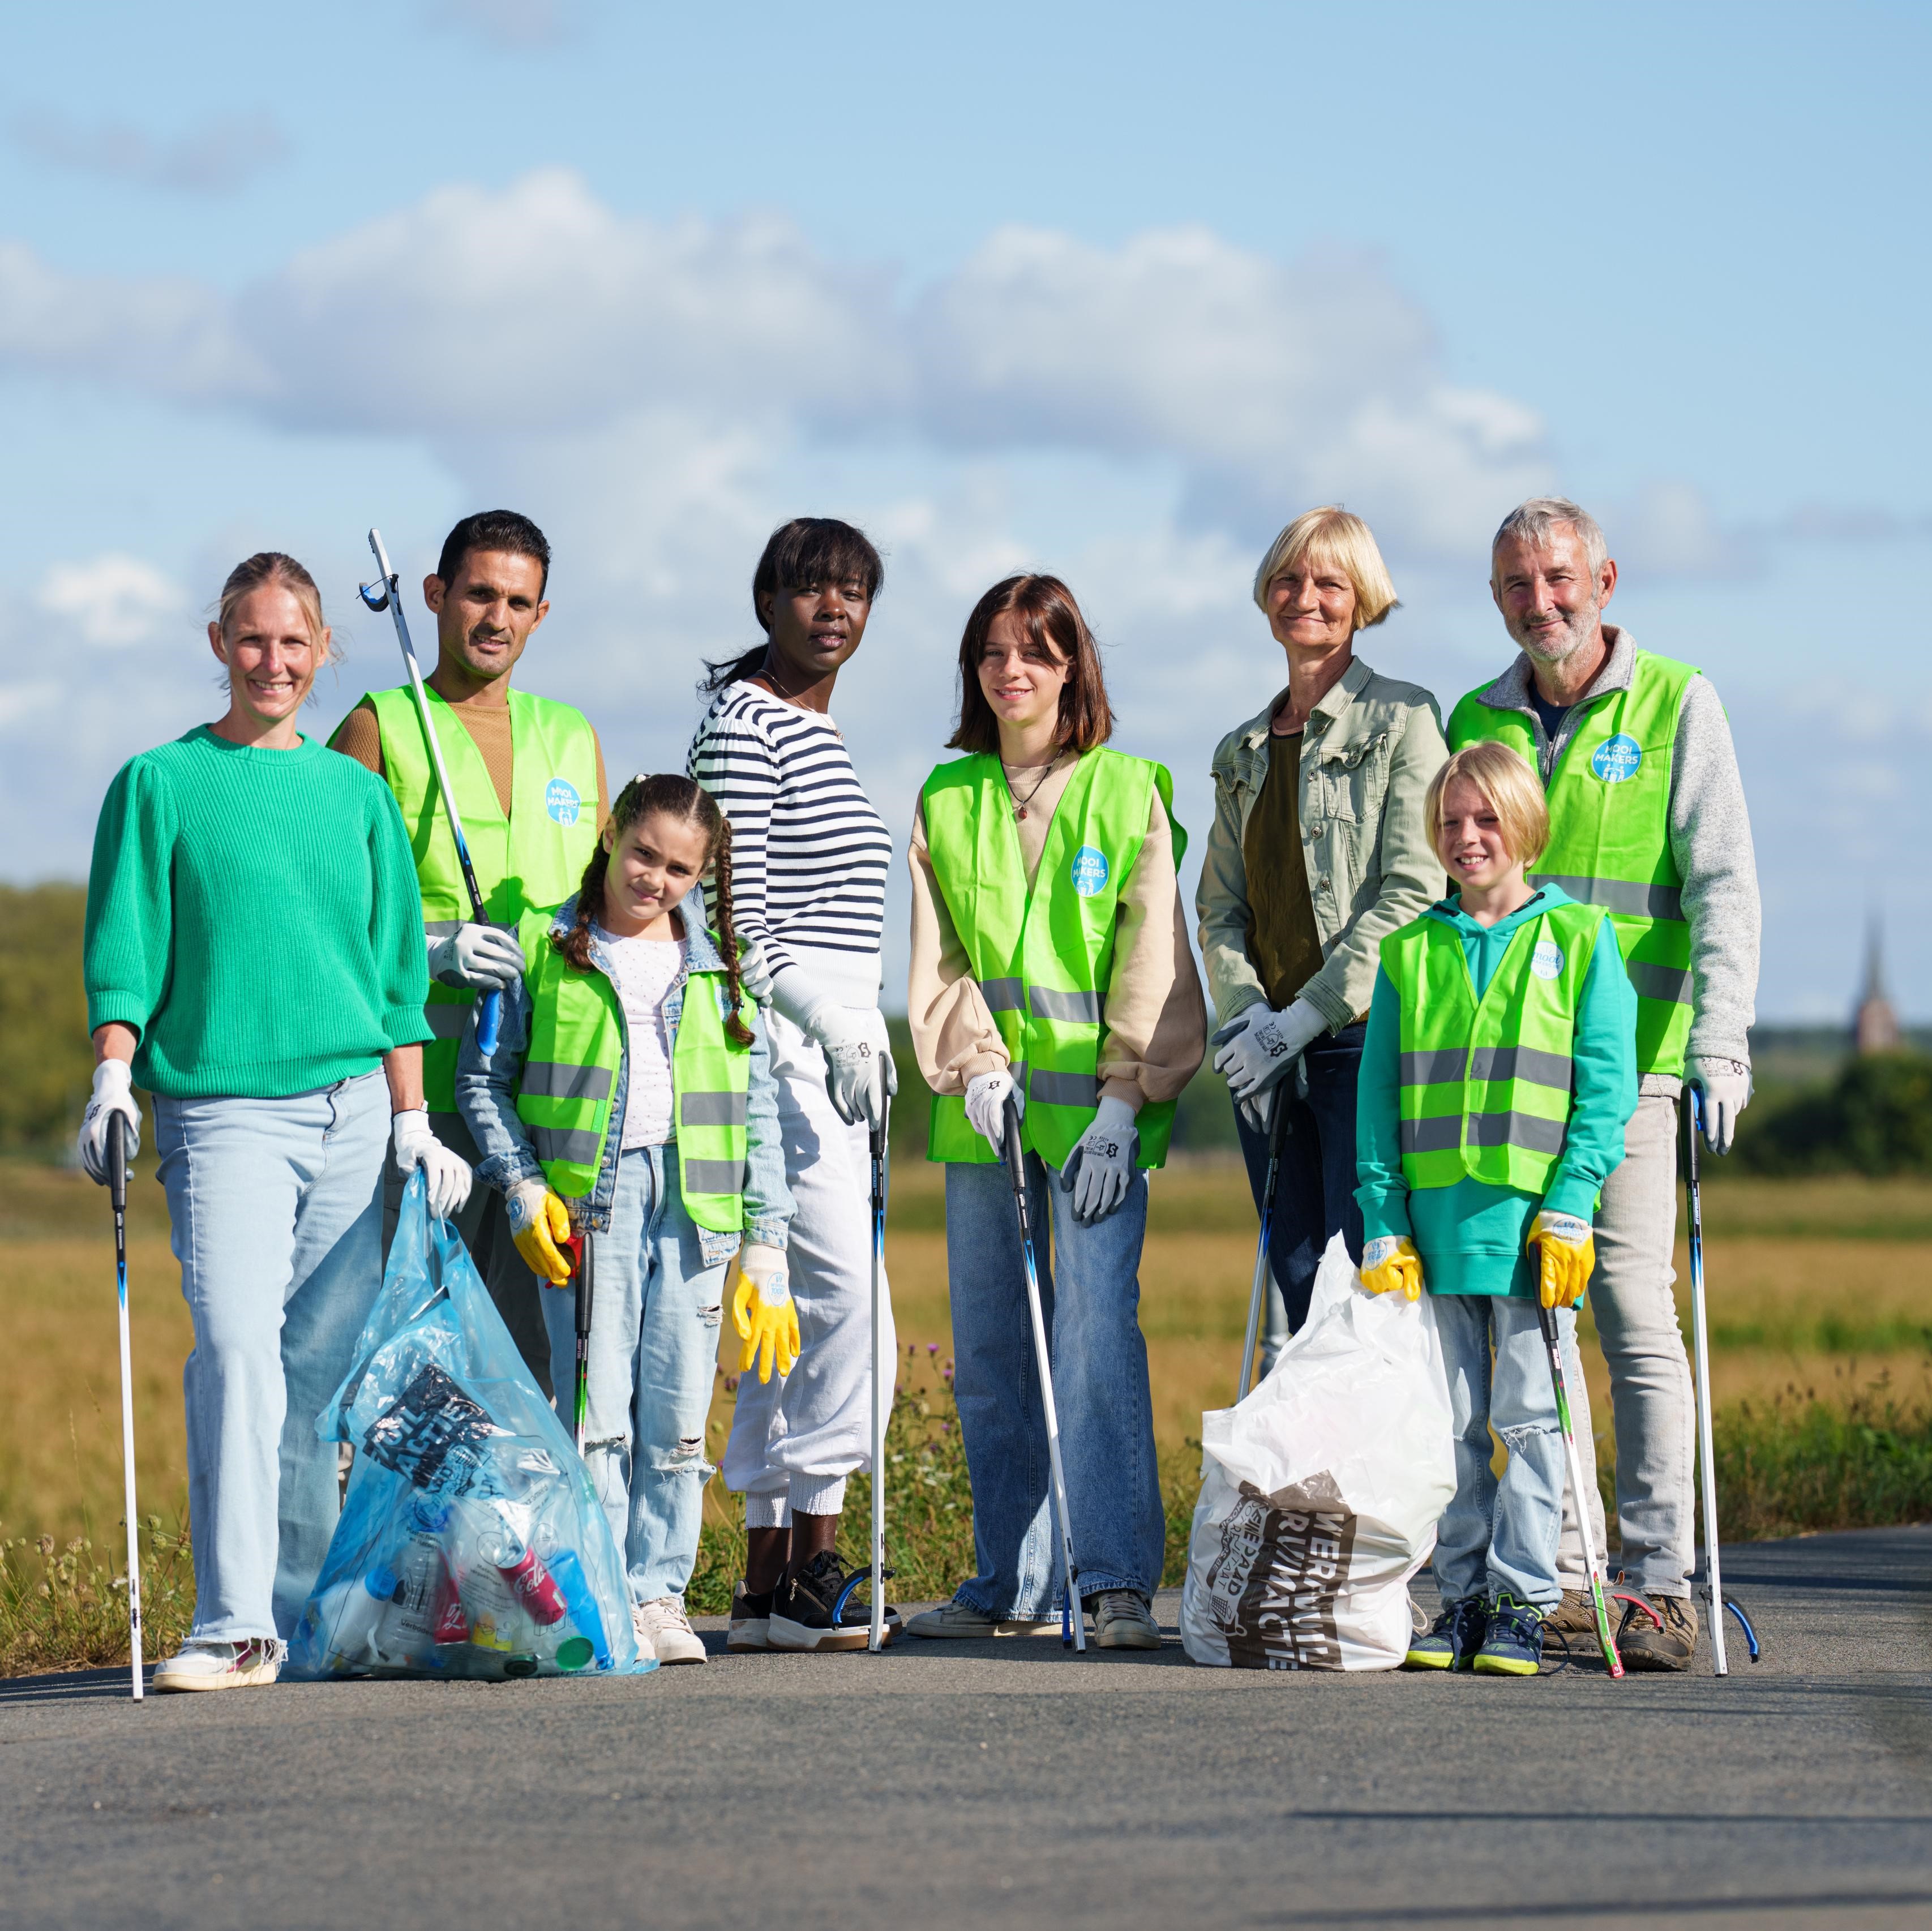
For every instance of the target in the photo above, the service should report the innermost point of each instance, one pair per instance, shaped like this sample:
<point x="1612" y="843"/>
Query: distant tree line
<point x="1874" y="1116"/>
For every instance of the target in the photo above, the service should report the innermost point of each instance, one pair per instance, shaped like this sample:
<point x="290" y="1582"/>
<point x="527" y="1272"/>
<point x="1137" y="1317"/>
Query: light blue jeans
<point x="1090" y="1293"/>
<point x="1498" y="1535"/>
<point x="277" y="1212"/>
<point x="653" y="1355"/>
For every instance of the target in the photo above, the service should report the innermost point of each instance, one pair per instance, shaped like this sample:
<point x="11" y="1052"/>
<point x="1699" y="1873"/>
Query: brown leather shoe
<point x="1575" y="1615"/>
<point x="1658" y="1632"/>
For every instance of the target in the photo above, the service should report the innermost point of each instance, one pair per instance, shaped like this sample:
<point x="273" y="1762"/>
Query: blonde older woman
<point x="1318" y="850"/>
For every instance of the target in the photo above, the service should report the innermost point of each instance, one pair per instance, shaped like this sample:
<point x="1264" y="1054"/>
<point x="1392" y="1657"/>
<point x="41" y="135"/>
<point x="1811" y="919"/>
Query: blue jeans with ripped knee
<point x="653" y="1355"/>
<point x="1502" y="1534"/>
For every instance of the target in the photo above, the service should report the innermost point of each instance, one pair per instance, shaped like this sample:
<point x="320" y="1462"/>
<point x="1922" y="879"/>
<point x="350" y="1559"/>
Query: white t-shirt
<point x="644" y="971"/>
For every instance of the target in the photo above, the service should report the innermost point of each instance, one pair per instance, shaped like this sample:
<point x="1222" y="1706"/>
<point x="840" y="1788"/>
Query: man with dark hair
<point x="528" y="776"/>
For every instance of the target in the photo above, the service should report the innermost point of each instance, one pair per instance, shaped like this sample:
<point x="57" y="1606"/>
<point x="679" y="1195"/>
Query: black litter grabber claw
<point x="1015" y="1158"/>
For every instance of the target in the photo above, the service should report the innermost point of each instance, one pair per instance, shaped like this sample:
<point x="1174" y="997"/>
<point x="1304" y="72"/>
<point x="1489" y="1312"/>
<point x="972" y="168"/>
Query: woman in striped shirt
<point x="809" y="859"/>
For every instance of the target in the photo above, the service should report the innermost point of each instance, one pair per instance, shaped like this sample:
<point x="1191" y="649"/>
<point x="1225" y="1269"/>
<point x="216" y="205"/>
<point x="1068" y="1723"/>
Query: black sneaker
<point x="802" y="1614"/>
<point x="751" y="1619"/>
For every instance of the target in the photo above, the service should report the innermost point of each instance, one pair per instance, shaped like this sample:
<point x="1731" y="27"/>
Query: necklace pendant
<point x="1019" y="810"/>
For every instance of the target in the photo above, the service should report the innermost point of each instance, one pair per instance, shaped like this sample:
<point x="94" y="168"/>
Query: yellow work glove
<point x="1390" y="1261"/>
<point x="540" y="1224"/>
<point x="763" y="1311"/>
<point x="1568" y="1253"/>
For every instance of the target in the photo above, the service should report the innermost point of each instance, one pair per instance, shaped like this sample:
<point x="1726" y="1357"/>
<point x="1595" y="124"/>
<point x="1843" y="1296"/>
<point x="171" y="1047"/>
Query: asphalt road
<point x="1008" y="1784"/>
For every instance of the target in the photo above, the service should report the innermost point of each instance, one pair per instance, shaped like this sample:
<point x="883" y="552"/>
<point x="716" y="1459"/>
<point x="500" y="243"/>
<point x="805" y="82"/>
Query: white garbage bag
<point x="1320" y="1492"/>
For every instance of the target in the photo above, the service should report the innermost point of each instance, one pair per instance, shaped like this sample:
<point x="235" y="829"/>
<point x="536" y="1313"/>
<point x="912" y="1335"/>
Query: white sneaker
<point x="665" y="1630"/>
<point x="208" y="1663"/>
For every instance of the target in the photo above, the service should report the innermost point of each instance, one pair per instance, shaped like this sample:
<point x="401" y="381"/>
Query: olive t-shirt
<point x="1284" y="945"/>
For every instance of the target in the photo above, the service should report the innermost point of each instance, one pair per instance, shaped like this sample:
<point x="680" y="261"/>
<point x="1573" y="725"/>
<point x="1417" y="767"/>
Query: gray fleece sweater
<point x="1710" y="839"/>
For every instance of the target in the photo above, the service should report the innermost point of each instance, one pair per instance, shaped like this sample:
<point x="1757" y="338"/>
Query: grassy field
<point x="1819" y="1289"/>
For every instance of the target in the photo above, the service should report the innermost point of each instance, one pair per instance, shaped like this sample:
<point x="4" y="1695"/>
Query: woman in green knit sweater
<point x="254" y="958"/>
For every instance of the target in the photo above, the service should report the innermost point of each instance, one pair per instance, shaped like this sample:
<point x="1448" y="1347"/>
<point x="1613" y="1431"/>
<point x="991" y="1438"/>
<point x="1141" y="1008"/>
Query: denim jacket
<point x="1371" y="746"/>
<point x="486" y="1095"/>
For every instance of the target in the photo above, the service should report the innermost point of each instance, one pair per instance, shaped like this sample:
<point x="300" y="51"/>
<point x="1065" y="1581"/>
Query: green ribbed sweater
<point x="253" y="915"/>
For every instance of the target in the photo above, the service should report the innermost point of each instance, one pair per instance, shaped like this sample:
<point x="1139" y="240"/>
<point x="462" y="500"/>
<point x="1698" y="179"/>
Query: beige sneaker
<point x="206" y="1662"/>
<point x="961" y="1622"/>
<point x="1122" y="1621"/>
<point x="663" y="1627"/>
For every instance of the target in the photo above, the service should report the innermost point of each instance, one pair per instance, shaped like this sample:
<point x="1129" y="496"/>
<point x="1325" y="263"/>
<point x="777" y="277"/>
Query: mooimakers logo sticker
<point x="1617" y="758"/>
<point x="1546" y="961"/>
<point x="1089" y="870"/>
<point x="562" y="801"/>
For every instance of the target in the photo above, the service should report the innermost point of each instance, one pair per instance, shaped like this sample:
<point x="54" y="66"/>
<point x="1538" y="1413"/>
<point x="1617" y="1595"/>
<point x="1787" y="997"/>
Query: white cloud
<point x="165" y="336"/>
<point x="537" y="310"/>
<point x="114" y="601"/>
<point x="218" y="156"/>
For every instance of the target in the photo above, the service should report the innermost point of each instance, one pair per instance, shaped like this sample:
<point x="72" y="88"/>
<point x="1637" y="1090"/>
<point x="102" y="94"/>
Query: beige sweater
<point x="1156" y="1020"/>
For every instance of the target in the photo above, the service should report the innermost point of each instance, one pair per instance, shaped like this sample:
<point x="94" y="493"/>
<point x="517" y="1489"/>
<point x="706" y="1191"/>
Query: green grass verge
<point x="65" y="1606"/>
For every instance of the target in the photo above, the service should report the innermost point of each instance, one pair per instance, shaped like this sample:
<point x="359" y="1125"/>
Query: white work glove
<point x="113" y="1097"/>
<point x="1258" y="1048"/>
<point x="1101" y="1166"/>
<point x="1725" y="1096"/>
<point x="854" y="1040"/>
<point x="986" y="1097"/>
<point x="754" y="975"/>
<point x="415" y="1145"/>
<point x="484" y="956"/>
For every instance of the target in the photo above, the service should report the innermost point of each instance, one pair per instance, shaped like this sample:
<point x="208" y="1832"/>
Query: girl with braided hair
<point x="630" y="1096"/>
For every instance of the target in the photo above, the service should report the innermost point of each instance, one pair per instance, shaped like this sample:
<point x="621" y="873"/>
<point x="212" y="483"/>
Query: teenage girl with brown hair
<point x="631" y="1095"/>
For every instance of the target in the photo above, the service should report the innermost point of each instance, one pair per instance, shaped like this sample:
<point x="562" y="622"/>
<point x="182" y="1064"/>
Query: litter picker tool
<point x="1277" y="1137"/>
<point x="881" y="1147"/>
<point x="1070" y="1613"/>
<point x="1713" y="1591"/>
<point x="583" y="1251"/>
<point x="1599" y="1599"/>
<point x="383" y="594"/>
<point x="117" y="1188"/>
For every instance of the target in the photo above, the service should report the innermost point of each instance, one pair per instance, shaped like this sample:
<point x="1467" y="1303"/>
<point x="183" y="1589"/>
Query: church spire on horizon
<point x="1875" y="1025"/>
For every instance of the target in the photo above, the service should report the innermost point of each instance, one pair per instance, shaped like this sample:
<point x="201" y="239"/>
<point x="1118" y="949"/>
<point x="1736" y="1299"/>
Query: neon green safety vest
<point x="534" y="857"/>
<point x="1486" y="1084"/>
<point x="1043" y="954"/>
<point x="570" y="1073"/>
<point x="1609" y="836"/>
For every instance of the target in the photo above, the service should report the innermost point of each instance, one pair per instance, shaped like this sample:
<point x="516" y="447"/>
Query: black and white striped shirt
<point x="808" y="853"/>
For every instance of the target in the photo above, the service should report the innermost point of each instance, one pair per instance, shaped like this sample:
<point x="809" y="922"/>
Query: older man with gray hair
<point x="1647" y="820"/>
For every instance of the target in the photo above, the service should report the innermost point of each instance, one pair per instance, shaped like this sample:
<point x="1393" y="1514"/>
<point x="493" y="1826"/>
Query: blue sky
<point x="1112" y="290"/>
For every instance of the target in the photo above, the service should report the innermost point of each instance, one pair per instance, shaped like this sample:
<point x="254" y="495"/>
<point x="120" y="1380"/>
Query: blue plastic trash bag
<point x="471" y="1542"/>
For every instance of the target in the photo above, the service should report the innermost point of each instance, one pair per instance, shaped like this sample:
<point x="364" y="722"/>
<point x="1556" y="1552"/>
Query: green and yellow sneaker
<point x="1452" y="1640"/>
<point x="1513" y="1644"/>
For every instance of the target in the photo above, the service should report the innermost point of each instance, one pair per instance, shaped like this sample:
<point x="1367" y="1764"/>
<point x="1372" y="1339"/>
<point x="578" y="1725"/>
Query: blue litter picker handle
<point x="383" y="594"/>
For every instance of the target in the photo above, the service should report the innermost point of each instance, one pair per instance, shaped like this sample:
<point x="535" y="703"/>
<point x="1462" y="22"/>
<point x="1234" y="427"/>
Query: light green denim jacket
<point x="1370" y="747"/>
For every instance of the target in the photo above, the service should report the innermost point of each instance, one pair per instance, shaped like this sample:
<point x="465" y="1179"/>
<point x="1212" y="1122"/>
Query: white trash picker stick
<point x="117" y="1187"/>
<point x="1042" y="1357"/>
<point x="391" y="599"/>
<point x="881" y="1385"/>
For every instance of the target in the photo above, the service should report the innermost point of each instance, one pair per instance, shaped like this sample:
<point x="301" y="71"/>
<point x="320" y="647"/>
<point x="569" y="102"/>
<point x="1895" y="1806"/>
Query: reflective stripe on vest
<point x="1042" y="954"/>
<point x="1610" y="835"/>
<point x="564" y="1098"/>
<point x="534" y="857"/>
<point x="1486" y="1084"/>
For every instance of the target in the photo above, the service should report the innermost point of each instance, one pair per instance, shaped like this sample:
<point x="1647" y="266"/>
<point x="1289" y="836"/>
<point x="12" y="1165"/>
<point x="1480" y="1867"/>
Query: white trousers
<point x="794" y="1440"/>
